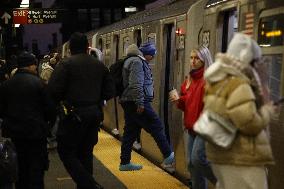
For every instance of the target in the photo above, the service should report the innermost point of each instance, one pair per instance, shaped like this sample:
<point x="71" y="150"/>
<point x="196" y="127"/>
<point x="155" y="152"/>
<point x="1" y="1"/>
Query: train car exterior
<point x="178" y="28"/>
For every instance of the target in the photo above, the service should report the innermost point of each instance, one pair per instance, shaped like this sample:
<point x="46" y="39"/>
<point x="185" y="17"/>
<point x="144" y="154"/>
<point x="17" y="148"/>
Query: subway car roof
<point x="176" y="8"/>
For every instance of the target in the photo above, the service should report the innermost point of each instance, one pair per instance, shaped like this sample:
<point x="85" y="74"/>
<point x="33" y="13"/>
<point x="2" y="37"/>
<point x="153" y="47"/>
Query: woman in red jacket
<point x="191" y="103"/>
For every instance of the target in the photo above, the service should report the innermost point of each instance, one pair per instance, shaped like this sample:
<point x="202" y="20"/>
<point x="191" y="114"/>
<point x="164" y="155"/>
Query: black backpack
<point x="116" y="73"/>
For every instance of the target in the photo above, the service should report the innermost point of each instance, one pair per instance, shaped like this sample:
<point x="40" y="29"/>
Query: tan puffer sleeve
<point x="242" y="111"/>
<point x="46" y="73"/>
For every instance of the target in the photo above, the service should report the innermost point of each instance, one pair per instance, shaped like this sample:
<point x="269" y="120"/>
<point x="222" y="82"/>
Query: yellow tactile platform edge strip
<point x="150" y="177"/>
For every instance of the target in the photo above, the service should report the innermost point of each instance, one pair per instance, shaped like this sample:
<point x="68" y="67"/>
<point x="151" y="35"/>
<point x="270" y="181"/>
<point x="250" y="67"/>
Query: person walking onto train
<point x="26" y="108"/>
<point x="191" y="103"/>
<point x="242" y="102"/>
<point x="136" y="103"/>
<point x="80" y="83"/>
<point x="47" y="67"/>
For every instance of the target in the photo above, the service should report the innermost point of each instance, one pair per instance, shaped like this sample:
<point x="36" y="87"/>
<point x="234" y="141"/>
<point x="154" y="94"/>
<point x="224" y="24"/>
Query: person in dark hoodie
<point x="26" y="110"/>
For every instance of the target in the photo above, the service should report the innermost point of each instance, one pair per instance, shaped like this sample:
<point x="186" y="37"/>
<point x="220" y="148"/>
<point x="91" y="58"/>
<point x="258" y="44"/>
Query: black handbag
<point x="8" y="162"/>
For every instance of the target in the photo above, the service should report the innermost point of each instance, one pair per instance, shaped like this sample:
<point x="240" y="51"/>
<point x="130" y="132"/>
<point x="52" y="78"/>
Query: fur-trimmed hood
<point x="224" y="65"/>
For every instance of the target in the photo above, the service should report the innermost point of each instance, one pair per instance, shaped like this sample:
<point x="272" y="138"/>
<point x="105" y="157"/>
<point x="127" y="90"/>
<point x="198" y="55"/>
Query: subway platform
<point x="106" y="173"/>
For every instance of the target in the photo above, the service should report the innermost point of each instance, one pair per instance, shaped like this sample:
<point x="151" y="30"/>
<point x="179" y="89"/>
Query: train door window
<point x="152" y="38"/>
<point x="169" y="48"/>
<point x="107" y="55"/>
<point x="116" y="47"/>
<point x="137" y="37"/>
<point x="271" y="31"/>
<point x="126" y="43"/>
<point x="270" y="73"/>
<point x="100" y="44"/>
<point x="227" y="26"/>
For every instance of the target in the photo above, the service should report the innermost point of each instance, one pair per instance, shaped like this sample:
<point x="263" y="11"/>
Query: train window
<point x="116" y="47"/>
<point x="126" y="43"/>
<point x="272" y="78"/>
<point x="228" y="25"/>
<point x="271" y="31"/>
<point x="138" y="37"/>
<point x="100" y="44"/>
<point x="107" y="55"/>
<point x="152" y="38"/>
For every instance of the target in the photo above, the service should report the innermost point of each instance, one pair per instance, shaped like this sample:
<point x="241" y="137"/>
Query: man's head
<point x="149" y="50"/>
<point x="78" y="43"/>
<point x="27" y="61"/>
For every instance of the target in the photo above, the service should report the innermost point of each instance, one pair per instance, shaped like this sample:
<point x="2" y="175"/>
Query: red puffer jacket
<point x="191" y="100"/>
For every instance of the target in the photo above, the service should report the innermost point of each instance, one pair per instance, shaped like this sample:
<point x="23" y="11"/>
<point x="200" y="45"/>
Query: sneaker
<point x="115" y="131"/>
<point x="98" y="186"/>
<point x="169" y="163"/>
<point x="137" y="145"/>
<point x="130" y="167"/>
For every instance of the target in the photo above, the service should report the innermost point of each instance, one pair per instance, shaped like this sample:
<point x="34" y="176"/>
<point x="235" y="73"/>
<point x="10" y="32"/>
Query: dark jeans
<point x="75" y="148"/>
<point x="150" y="122"/>
<point x="32" y="162"/>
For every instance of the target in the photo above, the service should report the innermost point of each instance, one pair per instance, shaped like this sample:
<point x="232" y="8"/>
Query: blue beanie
<point x="148" y="49"/>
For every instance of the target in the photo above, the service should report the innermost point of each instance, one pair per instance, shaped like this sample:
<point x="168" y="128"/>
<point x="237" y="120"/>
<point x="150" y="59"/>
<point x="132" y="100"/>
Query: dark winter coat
<point x="83" y="82"/>
<point x="25" y="106"/>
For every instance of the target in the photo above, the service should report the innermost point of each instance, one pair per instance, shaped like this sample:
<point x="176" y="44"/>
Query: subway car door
<point x="119" y="122"/>
<point x="168" y="58"/>
<point x="226" y="27"/>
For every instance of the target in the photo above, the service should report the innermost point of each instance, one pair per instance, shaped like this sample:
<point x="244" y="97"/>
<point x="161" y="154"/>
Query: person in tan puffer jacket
<point x="241" y="101"/>
<point x="48" y="67"/>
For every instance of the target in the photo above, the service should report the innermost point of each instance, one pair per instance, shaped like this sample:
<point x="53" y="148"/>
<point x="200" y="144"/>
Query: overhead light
<point x="265" y="45"/>
<point x="25" y="3"/>
<point x="274" y="33"/>
<point x="130" y="9"/>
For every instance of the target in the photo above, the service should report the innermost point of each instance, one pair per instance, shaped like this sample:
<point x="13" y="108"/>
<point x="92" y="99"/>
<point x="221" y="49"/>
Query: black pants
<point x="32" y="162"/>
<point x="75" y="143"/>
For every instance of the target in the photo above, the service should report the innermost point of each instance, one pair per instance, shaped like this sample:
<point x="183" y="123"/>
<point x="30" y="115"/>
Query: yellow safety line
<point x="150" y="177"/>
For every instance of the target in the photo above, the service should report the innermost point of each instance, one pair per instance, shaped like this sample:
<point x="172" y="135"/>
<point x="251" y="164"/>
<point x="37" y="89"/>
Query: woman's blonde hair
<point x="204" y="55"/>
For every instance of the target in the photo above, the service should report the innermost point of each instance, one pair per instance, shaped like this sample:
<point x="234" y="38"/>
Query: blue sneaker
<point x="169" y="163"/>
<point x="130" y="167"/>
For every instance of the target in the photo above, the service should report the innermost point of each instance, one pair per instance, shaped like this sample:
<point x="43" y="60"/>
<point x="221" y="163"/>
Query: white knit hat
<point x="244" y="49"/>
<point x="205" y="56"/>
<point x="133" y="50"/>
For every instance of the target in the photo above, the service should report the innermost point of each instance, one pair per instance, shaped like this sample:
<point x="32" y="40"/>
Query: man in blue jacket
<point x="136" y="102"/>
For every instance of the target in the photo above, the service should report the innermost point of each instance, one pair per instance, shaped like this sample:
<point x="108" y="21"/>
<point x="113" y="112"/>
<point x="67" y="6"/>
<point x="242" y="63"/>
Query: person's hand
<point x="271" y="108"/>
<point x="140" y="109"/>
<point x="173" y="95"/>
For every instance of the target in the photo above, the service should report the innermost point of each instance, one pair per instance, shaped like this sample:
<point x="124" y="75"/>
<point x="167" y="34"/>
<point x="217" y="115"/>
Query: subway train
<point x="176" y="29"/>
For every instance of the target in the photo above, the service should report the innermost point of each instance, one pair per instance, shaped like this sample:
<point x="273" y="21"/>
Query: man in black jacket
<point x="26" y="109"/>
<point x="81" y="83"/>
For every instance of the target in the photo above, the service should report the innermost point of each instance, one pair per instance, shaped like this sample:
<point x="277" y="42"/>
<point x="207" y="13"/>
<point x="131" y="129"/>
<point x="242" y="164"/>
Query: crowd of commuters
<point x="65" y="97"/>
